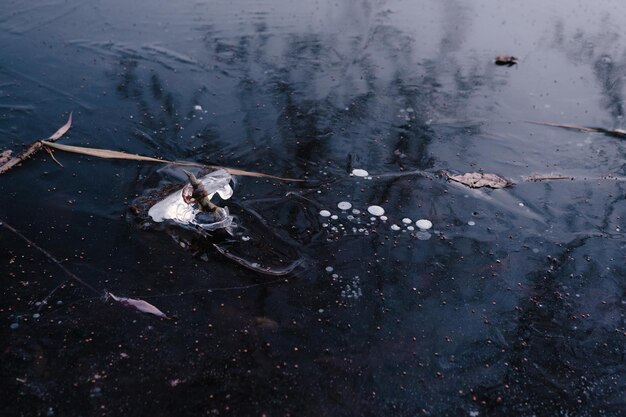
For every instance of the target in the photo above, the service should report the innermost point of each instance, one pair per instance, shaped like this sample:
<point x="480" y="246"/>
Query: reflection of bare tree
<point x="334" y="96"/>
<point x="611" y="78"/>
<point x="608" y="64"/>
<point x="547" y="360"/>
<point x="156" y="108"/>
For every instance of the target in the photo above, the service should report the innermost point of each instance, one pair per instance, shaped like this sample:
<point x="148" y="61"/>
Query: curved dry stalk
<point x="618" y="133"/>
<point x="110" y="154"/>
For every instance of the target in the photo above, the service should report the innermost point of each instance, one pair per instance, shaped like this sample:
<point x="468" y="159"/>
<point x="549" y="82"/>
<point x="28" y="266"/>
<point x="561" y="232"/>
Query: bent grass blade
<point x="110" y="154"/>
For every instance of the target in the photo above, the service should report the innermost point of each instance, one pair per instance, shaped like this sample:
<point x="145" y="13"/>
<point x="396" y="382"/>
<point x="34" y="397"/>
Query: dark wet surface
<point x="520" y="313"/>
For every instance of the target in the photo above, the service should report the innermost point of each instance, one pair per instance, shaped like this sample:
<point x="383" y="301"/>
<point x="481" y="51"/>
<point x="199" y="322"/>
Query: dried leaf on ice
<point x="62" y="130"/>
<point x="139" y="305"/>
<point x="479" y="180"/>
<point x="507" y="60"/>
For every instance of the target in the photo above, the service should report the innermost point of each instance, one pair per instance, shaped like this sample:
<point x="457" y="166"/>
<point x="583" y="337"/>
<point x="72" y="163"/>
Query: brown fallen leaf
<point x="507" y="60"/>
<point x="139" y="305"/>
<point x="479" y="180"/>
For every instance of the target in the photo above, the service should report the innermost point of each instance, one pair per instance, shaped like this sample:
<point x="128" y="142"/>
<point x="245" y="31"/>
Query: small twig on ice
<point x="33" y="148"/>
<point x="53" y="158"/>
<point x="49" y="256"/>
<point x="137" y="304"/>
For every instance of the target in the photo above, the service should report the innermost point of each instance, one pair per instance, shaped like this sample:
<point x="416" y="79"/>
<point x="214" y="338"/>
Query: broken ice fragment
<point x="357" y="172"/>
<point x="324" y="213"/>
<point x="175" y="208"/>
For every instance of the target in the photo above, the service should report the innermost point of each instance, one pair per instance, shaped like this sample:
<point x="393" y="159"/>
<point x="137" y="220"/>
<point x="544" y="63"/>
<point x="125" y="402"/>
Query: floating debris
<point x="139" y="305"/>
<point x="479" y="180"/>
<point x="376" y="210"/>
<point x="471" y="223"/>
<point x="176" y="207"/>
<point x="424" y="224"/>
<point x="197" y="107"/>
<point x="324" y="213"/>
<point x="344" y="205"/>
<point x="357" y="172"/>
<point x="618" y="133"/>
<point x="7" y="161"/>
<point x="507" y="60"/>
<point x="329" y="269"/>
<point x="5" y="156"/>
<point x="548" y="177"/>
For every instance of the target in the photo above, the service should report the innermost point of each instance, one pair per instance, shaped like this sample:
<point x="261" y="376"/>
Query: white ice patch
<point x="174" y="208"/>
<point x="376" y="210"/>
<point x="357" y="172"/>
<point x="344" y="205"/>
<point x="424" y="224"/>
<point x="324" y="213"/>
